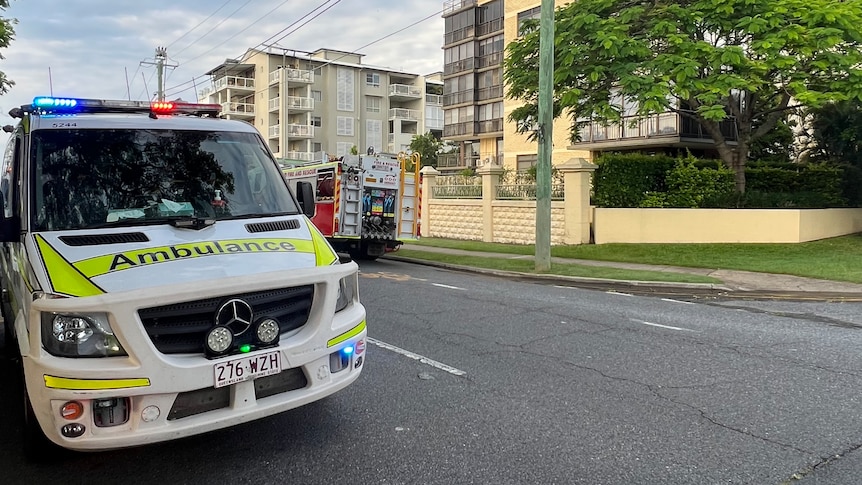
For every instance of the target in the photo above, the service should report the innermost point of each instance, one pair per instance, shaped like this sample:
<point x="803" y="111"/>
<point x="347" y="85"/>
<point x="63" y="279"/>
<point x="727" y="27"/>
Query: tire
<point x="37" y="447"/>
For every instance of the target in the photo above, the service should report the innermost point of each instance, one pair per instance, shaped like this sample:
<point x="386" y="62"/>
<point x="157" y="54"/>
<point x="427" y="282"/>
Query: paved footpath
<point x="740" y="283"/>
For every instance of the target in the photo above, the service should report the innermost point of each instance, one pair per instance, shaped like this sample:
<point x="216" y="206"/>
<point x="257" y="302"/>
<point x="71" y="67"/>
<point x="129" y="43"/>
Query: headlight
<point x="84" y="335"/>
<point x="347" y="292"/>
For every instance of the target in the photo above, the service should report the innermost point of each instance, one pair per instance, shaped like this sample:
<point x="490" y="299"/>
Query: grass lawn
<point x="838" y="259"/>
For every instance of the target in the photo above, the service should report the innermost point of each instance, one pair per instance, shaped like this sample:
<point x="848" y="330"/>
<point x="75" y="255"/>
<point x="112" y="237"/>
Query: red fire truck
<point x="365" y="205"/>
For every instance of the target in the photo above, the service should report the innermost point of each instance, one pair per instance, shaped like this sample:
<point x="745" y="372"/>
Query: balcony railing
<point x="275" y="131"/>
<point x="301" y="156"/>
<point x="300" y="103"/>
<point x="467" y="96"/>
<point x="404" y="91"/>
<point x="669" y="125"/>
<point x="234" y="82"/>
<point x="450" y="6"/>
<point x="291" y="76"/>
<point x="490" y="27"/>
<point x="300" y="131"/>
<point x="275" y="103"/>
<point x="489" y="126"/>
<point x="459" y="35"/>
<point x="405" y="114"/>
<point x="460" y="129"/>
<point x="237" y="109"/>
<point x="467" y="64"/>
<point x="489" y="60"/>
<point x="491" y="92"/>
<point x="435" y="99"/>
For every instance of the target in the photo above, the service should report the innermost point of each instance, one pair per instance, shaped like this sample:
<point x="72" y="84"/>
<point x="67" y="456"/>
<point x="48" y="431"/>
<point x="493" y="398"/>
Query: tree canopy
<point x="427" y="146"/>
<point x="7" y="33"/>
<point x="749" y="61"/>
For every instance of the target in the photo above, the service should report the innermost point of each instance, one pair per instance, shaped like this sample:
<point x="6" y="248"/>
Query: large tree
<point x="7" y="33"/>
<point x="708" y="60"/>
<point x="428" y="147"/>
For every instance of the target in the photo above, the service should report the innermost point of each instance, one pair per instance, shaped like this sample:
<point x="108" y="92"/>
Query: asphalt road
<point x="477" y="379"/>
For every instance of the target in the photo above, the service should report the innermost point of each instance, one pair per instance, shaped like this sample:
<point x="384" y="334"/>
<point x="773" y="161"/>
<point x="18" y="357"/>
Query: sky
<point x="87" y="48"/>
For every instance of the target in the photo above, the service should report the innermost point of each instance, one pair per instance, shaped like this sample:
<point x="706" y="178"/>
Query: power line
<point x="214" y="27"/>
<point x="198" y="25"/>
<point x="236" y="34"/>
<point x="263" y="43"/>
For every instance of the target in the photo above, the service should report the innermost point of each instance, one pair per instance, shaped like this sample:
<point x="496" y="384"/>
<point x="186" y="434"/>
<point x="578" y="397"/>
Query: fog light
<point x="150" y="414"/>
<point x="219" y="339"/>
<point x="73" y="430"/>
<point x="72" y="410"/>
<point x="267" y="331"/>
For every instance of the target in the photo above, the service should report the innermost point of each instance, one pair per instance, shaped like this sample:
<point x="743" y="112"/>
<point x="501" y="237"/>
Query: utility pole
<point x="161" y="63"/>
<point x="545" y="136"/>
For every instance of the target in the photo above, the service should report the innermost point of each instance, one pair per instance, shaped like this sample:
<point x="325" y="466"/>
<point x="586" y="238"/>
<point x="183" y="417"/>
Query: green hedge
<point x="636" y="180"/>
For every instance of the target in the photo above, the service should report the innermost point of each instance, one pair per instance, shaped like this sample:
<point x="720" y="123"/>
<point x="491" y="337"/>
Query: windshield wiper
<point x="182" y="222"/>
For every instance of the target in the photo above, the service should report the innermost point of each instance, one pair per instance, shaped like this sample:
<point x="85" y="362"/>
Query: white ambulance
<point x="159" y="279"/>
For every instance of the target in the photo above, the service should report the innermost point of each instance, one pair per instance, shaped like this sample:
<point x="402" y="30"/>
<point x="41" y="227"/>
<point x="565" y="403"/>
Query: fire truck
<point x="365" y="205"/>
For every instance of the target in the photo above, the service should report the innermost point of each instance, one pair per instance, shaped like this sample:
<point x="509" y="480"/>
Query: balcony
<point x="463" y="65"/>
<point x="238" y="110"/>
<point x="434" y="99"/>
<point x="300" y="156"/>
<point x="459" y="129"/>
<point x="275" y="104"/>
<point x="405" y="114"/>
<point x="298" y="104"/>
<point x="458" y="35"/>
<point x="489" y="126"/>
<point x="452" y="6"/>
<point x="491" y="27"/>
<point x="666" y="129"/>
<point x="491" y="60"/>
<point x="234" y="83"/>
<point x="300" y="131"/>
<point x="291" y="76"/>
<point x="461" y="97"/>
<point x="491" y="92"/>
<point x="275" y="131"/>
<point x="404" y="92"/>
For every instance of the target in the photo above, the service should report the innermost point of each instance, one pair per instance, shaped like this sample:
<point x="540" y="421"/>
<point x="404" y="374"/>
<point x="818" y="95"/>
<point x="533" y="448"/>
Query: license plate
<point x="245" y="368"/>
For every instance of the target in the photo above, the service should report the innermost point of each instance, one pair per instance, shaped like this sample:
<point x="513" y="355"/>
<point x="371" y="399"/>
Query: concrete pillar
<point x="577" y="174"/>
<point x="490" y="173"/>
<point x="426" y="190"/>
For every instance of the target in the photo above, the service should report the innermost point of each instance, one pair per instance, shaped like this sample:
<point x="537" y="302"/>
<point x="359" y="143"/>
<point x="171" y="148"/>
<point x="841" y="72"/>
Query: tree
<point x="7" y="34"/>
<point x="749" y="61"/>
<point x="836" y="129"/>
<point x="427" y="146"/>
<point x="776" y="145"/>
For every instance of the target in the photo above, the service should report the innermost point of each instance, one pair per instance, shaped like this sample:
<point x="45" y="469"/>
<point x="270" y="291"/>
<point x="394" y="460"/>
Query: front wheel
<point x="37" y="447"/>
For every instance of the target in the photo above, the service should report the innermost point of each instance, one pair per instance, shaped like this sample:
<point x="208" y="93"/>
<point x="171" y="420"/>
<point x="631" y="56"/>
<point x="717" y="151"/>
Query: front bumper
<point x="152" y="385"/>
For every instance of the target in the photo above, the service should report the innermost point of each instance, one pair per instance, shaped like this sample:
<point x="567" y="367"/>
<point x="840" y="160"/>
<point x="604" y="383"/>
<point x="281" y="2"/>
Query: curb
<point x="653" y="288"/>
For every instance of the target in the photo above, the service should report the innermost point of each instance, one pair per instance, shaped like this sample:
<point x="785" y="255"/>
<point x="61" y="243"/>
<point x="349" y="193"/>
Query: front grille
<point x="180" y="328"/>
<point x="272" y="226"/>
<point x="103" y="239"/>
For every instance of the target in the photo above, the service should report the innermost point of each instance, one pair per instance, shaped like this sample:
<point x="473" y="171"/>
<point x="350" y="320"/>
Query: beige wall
<point x="723" y="225"/>
<point x="515" y="144"/>
<point x="515" y="222"/>
<point x="455" y="219"/>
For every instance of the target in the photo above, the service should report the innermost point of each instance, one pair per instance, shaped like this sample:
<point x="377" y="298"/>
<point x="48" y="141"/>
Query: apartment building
<point x="476" y="111"/>
<point x="305" y="103"/>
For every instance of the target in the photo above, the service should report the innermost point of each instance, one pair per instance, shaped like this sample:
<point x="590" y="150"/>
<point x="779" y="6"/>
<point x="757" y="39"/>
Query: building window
<point x="316" y="95"/>
<point x="344" y="88"/>
<point x="344" y="126"/>
<point x="533" y="13"/>
<point x="372" y="79"/>
<point x="316" y="147"/>
<point x="526" y="162"/>
<point x="342" y="148"/>
<point x="316" y="121"/>
<point x="374" y="135"/>
<point x="372" y="104"/>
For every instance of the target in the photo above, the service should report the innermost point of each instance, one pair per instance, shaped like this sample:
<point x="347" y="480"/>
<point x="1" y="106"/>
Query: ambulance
<point x="160" y="279"/>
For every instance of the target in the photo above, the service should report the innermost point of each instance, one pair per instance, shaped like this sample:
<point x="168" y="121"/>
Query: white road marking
<point x="447" y="286"/>
<point x="422" y="359"/>
<point x="617" y="293"/>
<point x="677" y="301"/>
<point x="661" y="326"/>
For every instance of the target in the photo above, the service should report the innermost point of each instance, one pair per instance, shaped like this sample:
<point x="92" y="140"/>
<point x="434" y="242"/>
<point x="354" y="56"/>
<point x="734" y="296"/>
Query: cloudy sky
<point x="91" y="45"/>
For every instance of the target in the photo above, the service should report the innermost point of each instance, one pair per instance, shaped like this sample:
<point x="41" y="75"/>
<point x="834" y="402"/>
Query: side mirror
<point x="305" y="194"/>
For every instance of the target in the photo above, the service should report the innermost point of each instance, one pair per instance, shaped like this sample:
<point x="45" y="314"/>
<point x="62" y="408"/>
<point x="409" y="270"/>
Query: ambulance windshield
<point x="93" y="178"/>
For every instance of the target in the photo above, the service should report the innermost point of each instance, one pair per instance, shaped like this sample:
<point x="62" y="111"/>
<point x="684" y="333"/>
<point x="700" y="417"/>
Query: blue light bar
<point x="55" y="103"/>
<point x="347" y="350"/>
